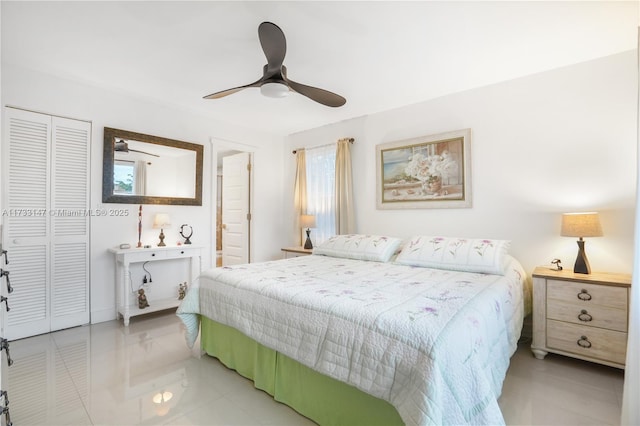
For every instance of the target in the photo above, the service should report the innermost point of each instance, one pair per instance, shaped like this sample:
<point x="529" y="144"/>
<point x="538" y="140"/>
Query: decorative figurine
<point x="182" y="290"/>
<point x="186" y="237"/>
<point x="142" y="299"/>
<point x="557" y="263"/>
<point x="139" y="226"/>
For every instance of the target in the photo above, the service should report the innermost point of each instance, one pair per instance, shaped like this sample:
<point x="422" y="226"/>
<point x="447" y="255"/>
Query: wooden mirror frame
<point x="110" y="136"/>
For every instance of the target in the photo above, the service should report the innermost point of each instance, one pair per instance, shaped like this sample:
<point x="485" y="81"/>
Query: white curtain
<point x="321" y="198"/>
<point x="141" y="178"/>
<point x="631" y="396"/>
<point x="344" y="189"/>
<point x="300" y="193"/>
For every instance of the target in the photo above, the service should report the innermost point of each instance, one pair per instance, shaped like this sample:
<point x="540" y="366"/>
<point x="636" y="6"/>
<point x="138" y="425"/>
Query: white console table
<point x="126" y="301"/>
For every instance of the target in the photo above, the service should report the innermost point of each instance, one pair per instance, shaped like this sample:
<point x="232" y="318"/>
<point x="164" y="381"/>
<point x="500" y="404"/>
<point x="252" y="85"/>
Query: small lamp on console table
<point x="161" y="221"/>
<point x="581" y="225"/>
<point x="308" y="221"/>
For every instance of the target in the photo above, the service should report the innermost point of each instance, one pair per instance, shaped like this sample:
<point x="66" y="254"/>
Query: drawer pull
<point x="584" y="342"/>
<point x="153" y="254"/>
<point x="584" y="295"/>
<point x="584" y="316"/>
<point x="182" y="252"/>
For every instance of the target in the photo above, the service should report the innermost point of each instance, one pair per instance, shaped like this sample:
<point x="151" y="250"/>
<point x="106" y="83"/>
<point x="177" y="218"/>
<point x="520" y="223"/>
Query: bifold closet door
<point x="45" y="177"/>
<point x="69" y="226"/>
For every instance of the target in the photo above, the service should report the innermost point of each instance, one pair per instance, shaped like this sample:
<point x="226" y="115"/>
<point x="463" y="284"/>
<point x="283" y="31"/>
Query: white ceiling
<point x="379" y="55"/>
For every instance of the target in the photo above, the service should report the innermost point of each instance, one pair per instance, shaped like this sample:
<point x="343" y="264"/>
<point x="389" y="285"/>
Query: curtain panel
<point x="300" y="193"/>
<point x="344" y="189"/>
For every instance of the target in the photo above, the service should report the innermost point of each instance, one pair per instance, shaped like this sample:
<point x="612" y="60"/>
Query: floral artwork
<point x="432" y="171"/>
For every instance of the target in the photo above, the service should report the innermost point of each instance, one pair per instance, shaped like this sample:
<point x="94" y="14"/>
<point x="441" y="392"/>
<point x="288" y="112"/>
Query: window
<point x="321" y="200"/>
<point x="123" y="177"/>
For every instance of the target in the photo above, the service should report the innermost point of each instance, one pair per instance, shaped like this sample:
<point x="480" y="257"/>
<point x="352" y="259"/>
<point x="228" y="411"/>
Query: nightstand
<point x="288" y="252"/>
<point x="583" y="316"/>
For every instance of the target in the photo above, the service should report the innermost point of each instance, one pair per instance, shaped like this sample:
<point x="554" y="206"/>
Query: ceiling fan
<point x="274" y="82"/>
<point x="122" y="146"/>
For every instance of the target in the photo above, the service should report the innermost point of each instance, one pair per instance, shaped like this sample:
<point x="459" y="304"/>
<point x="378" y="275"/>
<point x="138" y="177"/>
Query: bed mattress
<point x="434" y="343"/>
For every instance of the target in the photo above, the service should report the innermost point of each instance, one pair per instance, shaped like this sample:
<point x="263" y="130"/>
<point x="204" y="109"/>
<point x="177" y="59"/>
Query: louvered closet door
<point x="46" y="179"/>
<point x="25" y="218"/>
<point x="70" y="223"/>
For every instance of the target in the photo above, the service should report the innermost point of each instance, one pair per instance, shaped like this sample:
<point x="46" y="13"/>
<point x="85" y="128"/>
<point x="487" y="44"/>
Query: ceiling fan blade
<point x="322" y="96"/>
<point x="122" y="146"/>
<point x="143" y="152"/>
<point x="228" y="92"/>
<point x="273" y="44"/>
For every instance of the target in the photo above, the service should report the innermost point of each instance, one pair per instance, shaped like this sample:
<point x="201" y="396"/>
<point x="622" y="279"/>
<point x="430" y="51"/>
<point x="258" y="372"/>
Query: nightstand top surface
<point x="297" y="249"/>
<point x="567" y="274"/>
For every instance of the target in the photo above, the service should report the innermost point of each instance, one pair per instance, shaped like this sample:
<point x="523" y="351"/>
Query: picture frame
<point x="425" y="172"/>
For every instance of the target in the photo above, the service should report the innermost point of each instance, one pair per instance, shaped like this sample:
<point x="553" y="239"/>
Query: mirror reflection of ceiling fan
<point x="122" y="146"/>
<point x="274" y="82"/>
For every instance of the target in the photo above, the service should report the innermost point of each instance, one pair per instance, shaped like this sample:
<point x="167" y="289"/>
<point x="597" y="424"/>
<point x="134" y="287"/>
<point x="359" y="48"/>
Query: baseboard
<point x="102" y="315"/>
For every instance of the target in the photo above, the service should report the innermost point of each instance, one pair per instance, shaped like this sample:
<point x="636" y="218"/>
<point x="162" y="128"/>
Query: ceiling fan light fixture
<point x="274" y="90"/>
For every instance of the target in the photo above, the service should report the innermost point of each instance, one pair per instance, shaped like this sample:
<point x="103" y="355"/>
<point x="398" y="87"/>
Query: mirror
<point x="145" y="169"/>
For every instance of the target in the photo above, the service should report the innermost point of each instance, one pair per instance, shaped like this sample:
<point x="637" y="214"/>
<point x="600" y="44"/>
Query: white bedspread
<point x="436" y="344"/>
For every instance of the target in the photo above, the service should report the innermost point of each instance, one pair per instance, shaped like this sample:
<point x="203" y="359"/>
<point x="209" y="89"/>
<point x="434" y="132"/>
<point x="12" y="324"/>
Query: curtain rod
<point x="350" y="140"/>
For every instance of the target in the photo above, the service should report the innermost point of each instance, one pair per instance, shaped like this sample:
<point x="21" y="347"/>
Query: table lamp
<point x="581" y="225"/>
<point x="161" y="221"/>
<point x="308" y="221"/>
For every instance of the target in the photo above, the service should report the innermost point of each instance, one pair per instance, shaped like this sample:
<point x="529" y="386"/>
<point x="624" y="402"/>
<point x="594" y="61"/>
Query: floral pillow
<point x="360" y="247"/>
<point x="457" y="254"/>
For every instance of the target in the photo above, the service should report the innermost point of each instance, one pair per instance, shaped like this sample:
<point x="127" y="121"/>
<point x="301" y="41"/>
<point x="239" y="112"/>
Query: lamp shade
<point x="581" y="225"/>
<point x="161" y="220"/>
<point x="307" y="221"/>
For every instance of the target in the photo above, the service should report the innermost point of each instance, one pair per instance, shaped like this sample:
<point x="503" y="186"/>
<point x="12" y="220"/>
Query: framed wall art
<point x="425" y="172"/>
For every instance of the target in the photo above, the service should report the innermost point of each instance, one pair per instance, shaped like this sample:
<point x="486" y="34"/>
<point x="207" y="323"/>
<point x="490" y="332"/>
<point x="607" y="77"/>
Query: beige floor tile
<point x="144" y="374"/>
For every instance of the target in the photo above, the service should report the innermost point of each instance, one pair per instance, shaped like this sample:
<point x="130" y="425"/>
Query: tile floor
<point x="106" y="374"/>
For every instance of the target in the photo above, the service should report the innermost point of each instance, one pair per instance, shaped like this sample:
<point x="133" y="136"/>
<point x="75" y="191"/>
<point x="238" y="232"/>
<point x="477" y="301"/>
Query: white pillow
<point x="457" y="254"/>
<point x="360" y="247"/>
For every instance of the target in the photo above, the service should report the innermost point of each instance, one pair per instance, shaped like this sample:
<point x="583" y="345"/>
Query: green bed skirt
<point x="322" y="399"/>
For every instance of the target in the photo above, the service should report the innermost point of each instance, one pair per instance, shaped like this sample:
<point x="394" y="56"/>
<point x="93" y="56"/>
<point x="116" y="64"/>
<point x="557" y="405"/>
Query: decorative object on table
<point x="142" y="299"/>
<point x="308" y="221"/>
<point x="190" y="232"/>
<point x="426" y="172"/>
<point x="581" y="225"/>
<point x="557" y="263"/>
<point x="161" y="221"/>
<point x="182" y="290"/>
<point x="139" y="226"/>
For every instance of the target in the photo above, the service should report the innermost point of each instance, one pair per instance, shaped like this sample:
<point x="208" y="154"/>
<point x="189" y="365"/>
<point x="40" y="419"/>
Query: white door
<point x="69" y="250"/>
<point x="236" y="209"/>
<point x="46" y="222"/>
<point x="26" y="174"/>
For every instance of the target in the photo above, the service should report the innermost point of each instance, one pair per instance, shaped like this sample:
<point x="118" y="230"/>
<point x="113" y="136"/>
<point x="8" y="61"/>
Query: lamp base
<point x="307" y="244"/>
<point x="161" y="236"/>
<point x="582" y="263"/>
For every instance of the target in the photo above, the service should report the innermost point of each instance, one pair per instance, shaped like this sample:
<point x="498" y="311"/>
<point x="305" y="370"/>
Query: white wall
<point x="48" y="94"/>
<point x="554" y="142"/>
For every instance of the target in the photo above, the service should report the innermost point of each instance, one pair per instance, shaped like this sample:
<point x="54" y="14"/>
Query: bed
<point x="355" y="335"/>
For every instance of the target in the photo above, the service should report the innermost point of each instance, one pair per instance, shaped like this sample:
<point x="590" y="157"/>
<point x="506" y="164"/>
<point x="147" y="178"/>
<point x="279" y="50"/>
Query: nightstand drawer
<point x="585" y="294"/>
<point x="142" y="256"/>
<point x="591" y="342"/>
<point x="590" y="316"/>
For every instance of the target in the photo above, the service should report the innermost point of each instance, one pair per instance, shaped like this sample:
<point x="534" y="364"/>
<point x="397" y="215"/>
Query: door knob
<point x="224" y="226"/>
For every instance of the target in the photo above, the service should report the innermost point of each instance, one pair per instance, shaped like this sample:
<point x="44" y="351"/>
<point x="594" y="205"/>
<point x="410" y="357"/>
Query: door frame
<point x="220" y="146"/>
